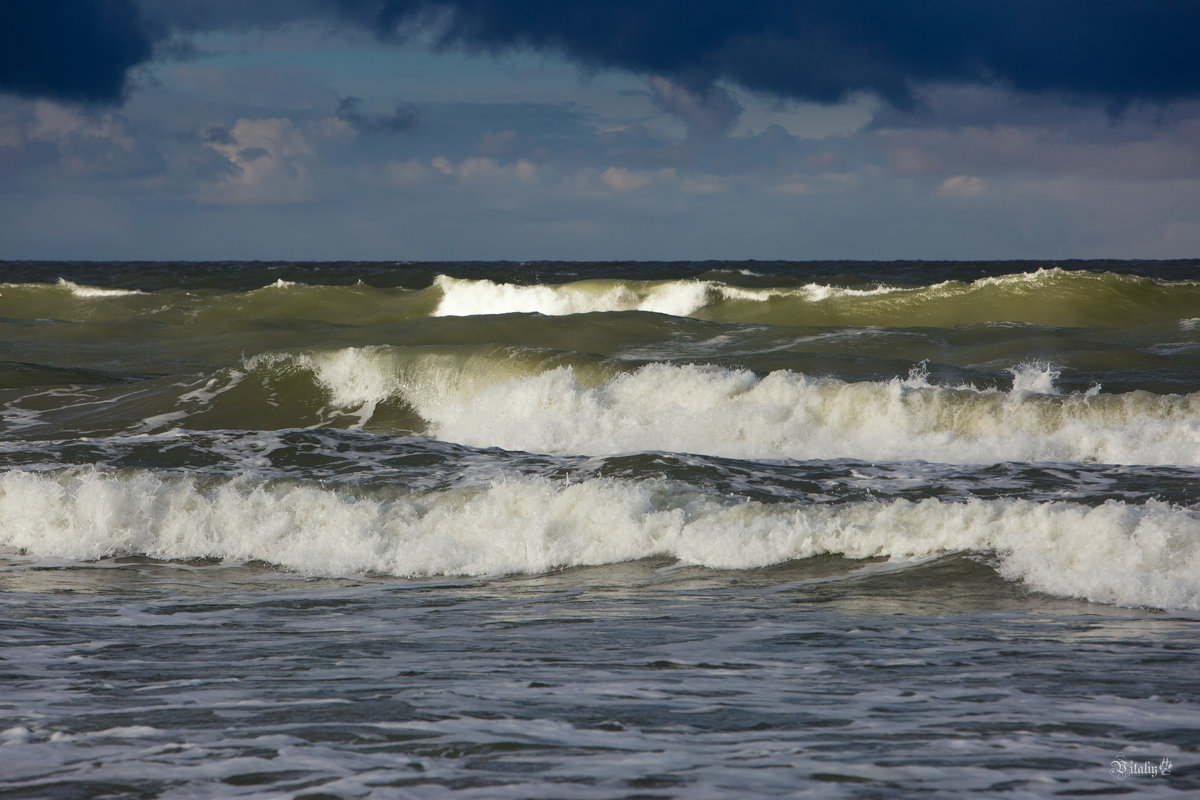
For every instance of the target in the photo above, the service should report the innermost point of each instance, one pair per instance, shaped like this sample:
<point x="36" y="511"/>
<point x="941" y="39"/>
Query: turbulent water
<point x="599" y="530"/>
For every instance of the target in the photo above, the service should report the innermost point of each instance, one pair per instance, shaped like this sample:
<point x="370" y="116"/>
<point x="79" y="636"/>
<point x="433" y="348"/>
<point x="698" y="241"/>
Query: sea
<point x="599" y="530"/>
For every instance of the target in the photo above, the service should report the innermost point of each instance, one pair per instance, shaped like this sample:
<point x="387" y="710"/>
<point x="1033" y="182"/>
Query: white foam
<point x="1138" y="555"/>
<point x="486" y="399"/>
<point x="213" y="387"/>
<point x="715" y="411"/>
<point x="357" y="379"/>
<point x="16" y="735"/>
<point x="1034" y="377"/>
<point x="817" y="292"/>
<point x="1037" y="276"/>
<point x="158" y="422"/>
<point x="93" y="291"/>
<point x="462" y="297"/>
<point x="126" y="732"/>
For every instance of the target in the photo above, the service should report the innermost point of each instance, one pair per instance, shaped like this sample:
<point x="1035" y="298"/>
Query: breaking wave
<point x="1046" y="297"/>
<point x="1136" y="555"/>
<point x="1056" y="297"/>
<point x="550" y="402"/>
<point x="735" y="413"/>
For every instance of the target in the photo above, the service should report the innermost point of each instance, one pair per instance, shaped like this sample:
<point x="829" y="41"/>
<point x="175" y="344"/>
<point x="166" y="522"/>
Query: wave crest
<point x="735" y="413"/>
<point x="1046" y="297"/>
<point x="1139" y="555"/>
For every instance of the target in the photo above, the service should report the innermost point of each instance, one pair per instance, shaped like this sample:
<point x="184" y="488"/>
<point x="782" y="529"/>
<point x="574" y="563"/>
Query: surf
<point x="1126" y="554"/>
<point x="1066" y="298"/>
<point x="1046" y="296"/>
<point x="560" y="402"/>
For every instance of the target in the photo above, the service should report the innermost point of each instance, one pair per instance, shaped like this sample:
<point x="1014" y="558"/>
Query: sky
<point x="599" y="129"/>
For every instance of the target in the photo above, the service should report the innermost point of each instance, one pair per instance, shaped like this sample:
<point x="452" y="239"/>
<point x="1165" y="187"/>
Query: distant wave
<point x="461" y="298"/>
<point x="1055" y="297"/>
<point x="90" y="292"/>
<point x="1046" y="297"/>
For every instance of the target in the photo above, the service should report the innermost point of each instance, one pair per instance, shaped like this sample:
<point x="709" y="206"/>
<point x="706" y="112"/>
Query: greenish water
<point x="598" y="530"/>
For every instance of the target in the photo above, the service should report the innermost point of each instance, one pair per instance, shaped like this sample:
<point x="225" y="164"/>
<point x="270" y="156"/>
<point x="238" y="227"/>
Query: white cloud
<point x="335" y="129"/>
<point x="990" y="134"/>
<point x="793" y="188"/>
<point x="409" y="174"/>
<point x="55" y="123"/>
<point x="824" y="183"/>
<point x="83" y="143"/>
<point x="624" y="180"/>
<point x="708" y="113"/>
<point x="963" y="186"/>
<point x="487" y="169"/>
<point x="273" y="159"/>
<point x="589" y="182"/>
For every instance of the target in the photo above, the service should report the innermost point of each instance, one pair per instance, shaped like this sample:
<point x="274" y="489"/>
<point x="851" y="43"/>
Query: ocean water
<point x="635" y="530"/>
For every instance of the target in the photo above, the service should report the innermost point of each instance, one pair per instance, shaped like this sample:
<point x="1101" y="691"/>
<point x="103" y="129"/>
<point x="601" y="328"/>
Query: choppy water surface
<point x="599" y="530"/>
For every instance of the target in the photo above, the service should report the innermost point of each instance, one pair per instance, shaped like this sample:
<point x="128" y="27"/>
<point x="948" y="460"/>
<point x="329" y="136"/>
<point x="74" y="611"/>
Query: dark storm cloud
<point x="215" y="134"/>
<point x="1114" y="51"/>
<point x="74" y="50"/>
<point x="212" y="15"/>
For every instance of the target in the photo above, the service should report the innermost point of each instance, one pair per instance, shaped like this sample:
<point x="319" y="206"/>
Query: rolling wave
<point x="735" y="413"/>
<point x="563" y="403"/>
<point x="1138" y="555"/>
<point x="1046" y="297"/>
<point x="721" y="412"/>
<point x="495" y="421"/>
<point x="1055" y="297"/>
